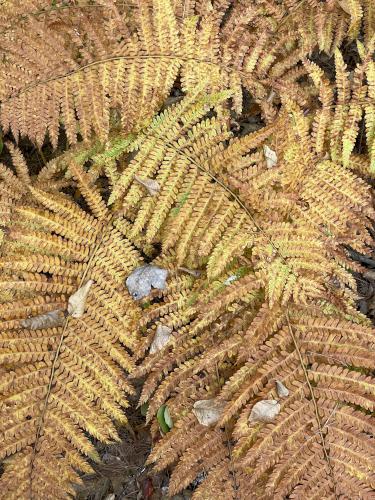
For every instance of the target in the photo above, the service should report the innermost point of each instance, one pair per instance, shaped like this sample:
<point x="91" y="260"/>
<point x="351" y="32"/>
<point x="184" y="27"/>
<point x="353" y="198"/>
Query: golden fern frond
<point x="116" y="57"/>
<point x="63" y="379"/>
<point x="107" y="60"/>
<point x="339" y="119"/>
<point x="273" y="301"/>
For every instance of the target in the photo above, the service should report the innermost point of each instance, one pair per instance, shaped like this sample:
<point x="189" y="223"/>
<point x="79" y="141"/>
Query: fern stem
<point x="227" y="437"/>
<point x="313" y="399"/>
<point x="145" y="57"/>
<point x="57" y="354"/>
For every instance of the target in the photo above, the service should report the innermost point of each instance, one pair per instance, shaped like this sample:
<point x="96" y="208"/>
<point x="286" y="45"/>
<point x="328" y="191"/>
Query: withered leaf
<point x="270" y="155"/>
<point x="231" y="279"/>
<point x="48" y="320"/>
<point x="151" y="185"/>
<point x="77" y="301"/>
<point x="208" y="411"/>
<point x="193" y="272"/>
<point x="282" y="391"/>
<point x="265" y="411"/>
<point x="344" y="4"/>
<point x="161" y="338"/>
<point x="142" y="279"/>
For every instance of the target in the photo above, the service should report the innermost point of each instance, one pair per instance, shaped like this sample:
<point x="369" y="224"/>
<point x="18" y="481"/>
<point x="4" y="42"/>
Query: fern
<point x="289" y="317"/>
<point x="115" y="58"/>
<point x="61" y="384"/>
<point x="253" y="231"/>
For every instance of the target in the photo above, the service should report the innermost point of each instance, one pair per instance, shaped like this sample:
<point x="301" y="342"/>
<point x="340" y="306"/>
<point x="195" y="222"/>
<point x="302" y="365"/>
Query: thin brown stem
<point x="313" y="399"/>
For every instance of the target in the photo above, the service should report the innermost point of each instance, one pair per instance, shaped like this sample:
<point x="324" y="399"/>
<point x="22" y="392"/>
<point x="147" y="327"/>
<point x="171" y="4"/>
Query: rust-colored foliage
<point x="259" y="304"/>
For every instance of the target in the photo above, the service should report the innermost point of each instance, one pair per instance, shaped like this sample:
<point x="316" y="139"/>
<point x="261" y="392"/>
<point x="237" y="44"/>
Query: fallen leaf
<point x="208" y="411"/>
<point x="344" y="4"/>
<point x="147" y="489"/>
<point x="230" y="279"/>
<point x="161" y="338"/>
<point x="167" y="417"/>
<point x="142" y="279"/>
<point x="282" y="391"/>
<point x="163" y="419"/>
<point x="193" y="272"/>
<point x="151" y="185"/>
<point x="77" y="301"/>
<point x="270" y="155"/>
<point x="48" y="320"/>
<point x="265" y="411"/>
<point x="144" y="409"/>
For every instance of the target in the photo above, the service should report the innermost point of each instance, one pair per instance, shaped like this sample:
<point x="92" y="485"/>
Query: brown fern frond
<point x="126" y="57"/>
<point x="106" y="61"/>
<point x="62" y="382"/>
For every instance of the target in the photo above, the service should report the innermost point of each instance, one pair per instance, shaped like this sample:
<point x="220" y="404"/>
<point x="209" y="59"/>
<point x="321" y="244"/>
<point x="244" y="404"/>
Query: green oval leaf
<point x="161" y="419"/>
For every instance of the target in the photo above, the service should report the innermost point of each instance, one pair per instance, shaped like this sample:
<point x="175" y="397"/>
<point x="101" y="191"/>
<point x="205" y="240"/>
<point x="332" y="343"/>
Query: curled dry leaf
<point x="49" y="320"/>
<point x="161" y="338"/>
<point x="142" y="279"/>
<point x="208" y="411"/>
<point x="282" y="391"/>
<point x="151" y="185"/>
<point x="265" y="411"/>
<point x="193" y="272"/>
<point x="344" y="4"/>
<point x="77" y="301"/>
<point x="270" y="155"/>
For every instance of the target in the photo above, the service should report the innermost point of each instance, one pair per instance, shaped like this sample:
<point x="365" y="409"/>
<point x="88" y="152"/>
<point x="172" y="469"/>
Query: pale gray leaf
<point x="231" y="279"/>
<point x="142" y="279"/>
<point x="270" y="155"/>
<point x="161" y="338"/>
<point x="265" y="411"/>
<point x="77" y="301"/>
<point x="48" y="320"/>
<point x="151" y="185"/>
<point x="208" y="411"/>
<point x="282" y="391"/>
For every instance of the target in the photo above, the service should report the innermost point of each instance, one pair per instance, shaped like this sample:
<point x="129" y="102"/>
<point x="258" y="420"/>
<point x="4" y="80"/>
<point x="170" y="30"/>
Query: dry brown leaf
<point x="282" y="391"/>
<point x="161" y="338"/>
<point x="48" y="320"/>
<point x="193" y="272"/>
<point x="151" y="185"/>
<point x="265" y="411"/>
<point x="344" y="4"/>
<point x="77" y="301"/>
<point x="208" y="411"/>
